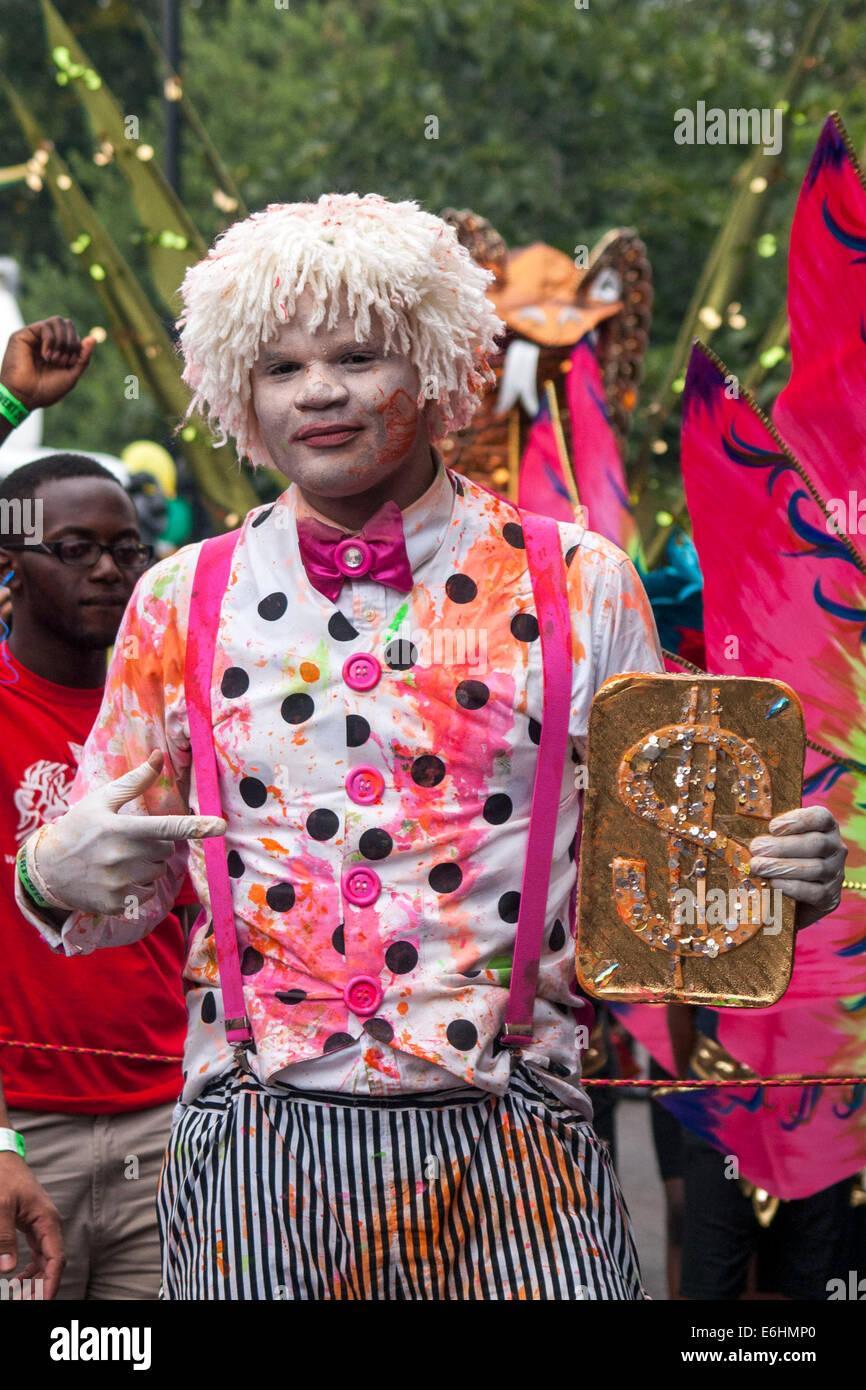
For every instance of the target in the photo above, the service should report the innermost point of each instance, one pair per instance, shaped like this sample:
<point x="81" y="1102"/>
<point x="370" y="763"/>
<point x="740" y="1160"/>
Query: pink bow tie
<point x="379" y="550"/>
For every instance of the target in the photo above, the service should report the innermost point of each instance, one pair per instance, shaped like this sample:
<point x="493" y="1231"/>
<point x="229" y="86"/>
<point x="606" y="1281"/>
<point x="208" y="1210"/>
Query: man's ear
<point x="9" y="561"/>
<point x="427" y="410"/>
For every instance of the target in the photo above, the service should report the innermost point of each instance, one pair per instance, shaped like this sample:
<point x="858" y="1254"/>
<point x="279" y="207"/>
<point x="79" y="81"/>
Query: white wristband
<point x="12" y="1141"/>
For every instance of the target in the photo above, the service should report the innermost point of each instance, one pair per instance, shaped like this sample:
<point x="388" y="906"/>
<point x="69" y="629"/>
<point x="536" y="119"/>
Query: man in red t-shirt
<point x="90" y="1047"/>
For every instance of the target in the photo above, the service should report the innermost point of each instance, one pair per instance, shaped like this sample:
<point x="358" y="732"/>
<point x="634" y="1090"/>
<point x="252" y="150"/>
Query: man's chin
<point x="98" y="637"/>
<point x="337" y="477"/>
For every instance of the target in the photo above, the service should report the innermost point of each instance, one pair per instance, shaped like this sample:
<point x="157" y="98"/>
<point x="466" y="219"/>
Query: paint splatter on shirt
<point x="451" y="728"/>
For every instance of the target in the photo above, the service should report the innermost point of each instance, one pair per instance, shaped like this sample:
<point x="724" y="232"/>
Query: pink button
<point x="361" y="886"/>
<point x="363" y="995"/>
<point x="365" y="785"/>
<point x="353" y="557"/>
<point x="361" y="671"/>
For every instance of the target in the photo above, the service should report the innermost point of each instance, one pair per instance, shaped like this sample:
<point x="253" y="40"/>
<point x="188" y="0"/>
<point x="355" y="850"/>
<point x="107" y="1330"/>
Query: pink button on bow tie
<point x="330" y="556"/>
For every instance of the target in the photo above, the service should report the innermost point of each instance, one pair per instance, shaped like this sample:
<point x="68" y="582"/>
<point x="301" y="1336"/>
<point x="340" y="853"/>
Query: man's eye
<point x="359" y="357"/>
<point x="283" y="368"/>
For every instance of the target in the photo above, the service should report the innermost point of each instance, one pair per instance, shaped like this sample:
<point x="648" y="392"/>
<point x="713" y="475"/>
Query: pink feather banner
<point x="599" y="473"/>
<point x="541" y="486"/>
<point x="598" y="467"/>
<point x="785" y="597"/>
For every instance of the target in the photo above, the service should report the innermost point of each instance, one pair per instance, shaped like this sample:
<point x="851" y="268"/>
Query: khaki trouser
<point x="102" y="1173"/>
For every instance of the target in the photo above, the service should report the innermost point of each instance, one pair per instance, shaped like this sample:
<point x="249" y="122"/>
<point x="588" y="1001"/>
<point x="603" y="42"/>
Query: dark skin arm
<point x="681" y="1029"/>
<point x="42" y="363"/>
<point x="26" y="1206"/>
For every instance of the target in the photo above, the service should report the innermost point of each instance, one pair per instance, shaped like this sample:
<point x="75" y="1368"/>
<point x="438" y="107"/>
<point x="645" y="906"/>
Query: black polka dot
<point x="428" y="770"/>
<point x="401" y="957"/>
<point x="322" y="824"/>
<point x="251" y="961"/>
<point x="338" y="940"/>
<point x="470" y="974"/>
<point x="534" y="732"/>
<point x="280" y="897"/>
<point x="497" y="808"/>
<point x="575" y="756"/>
<point x="462" y="1034"/>
<point x="557" y="936"/>
<point x="513" y="533"/>
<point x="336" y="1041"/>
<point x="380" y="1029"/>
<point x="401" y="654"/>
<point x="291" y="996"/>
<point x="509" y="906"/>
<point x="357" y="730"/>
<point x="208" y="1008"/>
<point x="262" y="517"/>
<point x="457" y="484"/>
<point x="375" y="844"/>
<point x="445" y="878"/>
<point x="570" y="554"/>
<point x="460" y="588"/>
<point x="253" y="792"/>
<point x="572" y="847"/>
<point x="273" y="607"/>
<point x="235" y="682"/>
<point x="524" y="626"/>
<point x="341" y="629"/>
<point x="235" y="863"/>
<point x="472" y="694"/>
<point x="296" y="708"/>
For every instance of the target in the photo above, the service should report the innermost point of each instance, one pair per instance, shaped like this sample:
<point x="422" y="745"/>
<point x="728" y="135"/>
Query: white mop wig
<point x="393" y="260"/>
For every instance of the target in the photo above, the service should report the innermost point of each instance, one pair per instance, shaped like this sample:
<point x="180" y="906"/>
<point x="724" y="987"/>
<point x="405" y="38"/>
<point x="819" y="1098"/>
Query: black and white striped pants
<point x="277" y="1194"/>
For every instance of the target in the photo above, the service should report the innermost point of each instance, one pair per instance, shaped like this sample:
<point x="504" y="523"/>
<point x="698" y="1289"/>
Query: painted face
<point x="338" y="416"/>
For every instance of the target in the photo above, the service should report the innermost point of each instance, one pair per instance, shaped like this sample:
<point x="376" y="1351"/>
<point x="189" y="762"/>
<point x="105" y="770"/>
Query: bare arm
<point x="25" y="1206"/>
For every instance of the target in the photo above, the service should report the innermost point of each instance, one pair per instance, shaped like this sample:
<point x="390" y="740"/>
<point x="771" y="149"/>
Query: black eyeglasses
<point x="127" y="555"/>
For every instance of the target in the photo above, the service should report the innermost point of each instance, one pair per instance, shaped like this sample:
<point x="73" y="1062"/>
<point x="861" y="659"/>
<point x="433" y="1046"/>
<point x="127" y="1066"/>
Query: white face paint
<point x="340" y="417"/>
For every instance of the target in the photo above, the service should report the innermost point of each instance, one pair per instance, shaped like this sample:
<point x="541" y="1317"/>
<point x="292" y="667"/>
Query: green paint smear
<point x="320" y="656"/>
<point x="323" y="660"/>
<point x="164" y="581"/>
<point x="396" y="621"/>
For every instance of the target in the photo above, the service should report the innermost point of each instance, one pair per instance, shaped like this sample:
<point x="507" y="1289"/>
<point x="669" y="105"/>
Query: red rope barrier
<point x="752" y="1081"/>
<point x="93" y="1051"/>
<point x="674" y="1085"/>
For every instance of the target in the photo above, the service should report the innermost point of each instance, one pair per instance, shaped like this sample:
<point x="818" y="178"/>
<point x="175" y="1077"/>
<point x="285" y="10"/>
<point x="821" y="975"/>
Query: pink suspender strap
<point x="547" y="572"/>
<point x="208" y="587"/>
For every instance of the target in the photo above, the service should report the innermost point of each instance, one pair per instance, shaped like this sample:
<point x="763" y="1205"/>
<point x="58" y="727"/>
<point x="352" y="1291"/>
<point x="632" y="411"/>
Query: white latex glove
<point x="93" y="859"/>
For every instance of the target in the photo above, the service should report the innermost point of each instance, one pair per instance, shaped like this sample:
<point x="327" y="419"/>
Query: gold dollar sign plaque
<point x="683" y="772"/>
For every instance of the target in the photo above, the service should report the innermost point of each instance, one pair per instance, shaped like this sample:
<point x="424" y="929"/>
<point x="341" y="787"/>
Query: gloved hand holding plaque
<point x="684" y="771"/>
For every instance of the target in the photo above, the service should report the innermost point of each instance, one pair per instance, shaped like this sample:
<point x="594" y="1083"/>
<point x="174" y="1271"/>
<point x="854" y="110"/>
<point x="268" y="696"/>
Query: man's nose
<point x="107" y="570"/>
<point x="320" y="387"/>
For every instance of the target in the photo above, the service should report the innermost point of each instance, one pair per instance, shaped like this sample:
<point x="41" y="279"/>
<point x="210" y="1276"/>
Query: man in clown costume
<point x="341" y="743"/>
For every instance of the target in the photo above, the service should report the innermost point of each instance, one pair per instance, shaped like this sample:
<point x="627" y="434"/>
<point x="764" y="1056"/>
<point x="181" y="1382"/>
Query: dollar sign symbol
<point x="689" y="827"/>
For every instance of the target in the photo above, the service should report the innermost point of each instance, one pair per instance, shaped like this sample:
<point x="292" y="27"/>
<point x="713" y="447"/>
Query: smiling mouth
<point x="327" y="436"/>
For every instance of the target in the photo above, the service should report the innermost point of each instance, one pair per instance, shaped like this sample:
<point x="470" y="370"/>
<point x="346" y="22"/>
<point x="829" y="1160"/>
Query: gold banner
<point x="684" y="771"/>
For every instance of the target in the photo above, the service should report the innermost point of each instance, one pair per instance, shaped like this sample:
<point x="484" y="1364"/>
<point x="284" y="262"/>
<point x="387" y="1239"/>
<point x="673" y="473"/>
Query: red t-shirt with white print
<point x="126" y="1000"/>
